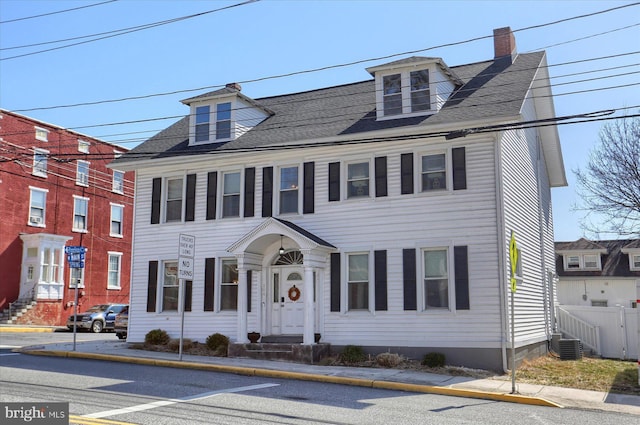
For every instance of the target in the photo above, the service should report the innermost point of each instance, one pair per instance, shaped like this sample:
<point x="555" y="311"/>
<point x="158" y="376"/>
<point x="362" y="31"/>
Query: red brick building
<point x="56" y="191"/>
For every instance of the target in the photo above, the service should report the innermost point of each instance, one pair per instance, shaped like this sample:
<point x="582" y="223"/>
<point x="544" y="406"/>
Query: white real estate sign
<point x="186" y="252"/>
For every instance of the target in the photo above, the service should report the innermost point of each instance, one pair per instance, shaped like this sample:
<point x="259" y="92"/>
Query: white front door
<point x="288" y="304"/>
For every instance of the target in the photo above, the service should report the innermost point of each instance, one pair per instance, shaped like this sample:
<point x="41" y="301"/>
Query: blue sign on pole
<point x="74" y="250"/>
<point x="76" y="264"/>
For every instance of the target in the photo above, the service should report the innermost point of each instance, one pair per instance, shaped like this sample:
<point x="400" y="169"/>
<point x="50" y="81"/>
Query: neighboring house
<point x="376" y="213"/>
<point x="598" y="284"/>
<point x="56" y="191"/>
<point x="598" y="273"/>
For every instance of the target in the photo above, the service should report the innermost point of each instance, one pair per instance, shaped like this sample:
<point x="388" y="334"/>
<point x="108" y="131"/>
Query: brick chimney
<point x="504" y="43"/>
<point x="234" y="86"/>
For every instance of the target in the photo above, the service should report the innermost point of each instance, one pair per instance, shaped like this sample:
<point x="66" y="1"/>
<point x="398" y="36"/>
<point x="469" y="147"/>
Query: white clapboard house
<point x="376" y="213"/>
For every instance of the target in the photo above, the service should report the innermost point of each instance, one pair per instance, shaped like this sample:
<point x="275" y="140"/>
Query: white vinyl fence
<point x="611" y="332"/>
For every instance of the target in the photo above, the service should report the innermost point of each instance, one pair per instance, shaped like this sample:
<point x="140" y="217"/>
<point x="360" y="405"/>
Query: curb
<point x="301" y="376"/>
<point x="27" y="329"/>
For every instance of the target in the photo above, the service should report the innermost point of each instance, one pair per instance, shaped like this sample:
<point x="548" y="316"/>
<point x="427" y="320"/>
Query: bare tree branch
<point x="610" y="183"/>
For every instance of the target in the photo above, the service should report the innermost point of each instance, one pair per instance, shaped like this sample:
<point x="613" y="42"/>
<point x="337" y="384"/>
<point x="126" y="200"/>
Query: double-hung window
<point x="173" y="202"/>
<point x="82" y="173"/>
<point x="436" y="278"/>
<point x="635" y="261"/>
<point x="289" y="189"/>
<point x="115" y="264"/>
<point x="170" y="286"/>
<point x="117" y="212"/>
<point x="80" y="209"/>
<point x="358" y="180"/>
<point x="118" y="182"/>
<point x="434" y="172"/>
<point x="392" y="94"/>
<point x="37" y="206"/>
<point x="223" y="120"/>
<point x="358" y="281"/>
<point x="229" y="285"/>
<point x="202" y="123"/>
<point x="40" y="162"/>
<point x="231" y="194"/>
<point x="420" y="94"/>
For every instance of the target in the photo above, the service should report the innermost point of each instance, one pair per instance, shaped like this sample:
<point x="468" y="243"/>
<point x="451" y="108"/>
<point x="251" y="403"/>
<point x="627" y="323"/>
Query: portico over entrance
<point x="286" y="261"/>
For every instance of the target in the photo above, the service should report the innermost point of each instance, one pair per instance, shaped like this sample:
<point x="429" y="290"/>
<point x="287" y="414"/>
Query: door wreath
<point x="294" y="293"/>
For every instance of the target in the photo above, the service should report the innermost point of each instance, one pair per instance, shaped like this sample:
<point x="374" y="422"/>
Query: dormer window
<point x="582" y="262"/>
<point x="406" y="88"/>
<point x="202" y="123"/>
<point x="221" y="119"/>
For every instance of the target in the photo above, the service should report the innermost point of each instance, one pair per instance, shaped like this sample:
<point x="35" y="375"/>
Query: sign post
<point x="75" y="258"/>
<point x="186" y="253"/>
<point x="513" y="256"/>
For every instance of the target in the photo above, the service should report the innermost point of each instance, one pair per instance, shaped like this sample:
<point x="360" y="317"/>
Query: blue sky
<point x="270" y="38"/>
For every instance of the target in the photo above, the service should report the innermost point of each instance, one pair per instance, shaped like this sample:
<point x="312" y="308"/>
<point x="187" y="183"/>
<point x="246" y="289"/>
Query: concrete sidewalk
<point x="396" y="379"/>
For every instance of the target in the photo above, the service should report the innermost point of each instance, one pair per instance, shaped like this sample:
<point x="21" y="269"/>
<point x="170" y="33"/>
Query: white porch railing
<point x="577" y="328"/>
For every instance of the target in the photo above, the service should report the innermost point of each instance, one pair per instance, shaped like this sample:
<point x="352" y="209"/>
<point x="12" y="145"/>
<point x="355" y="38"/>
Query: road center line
<point x="161" y="403"/>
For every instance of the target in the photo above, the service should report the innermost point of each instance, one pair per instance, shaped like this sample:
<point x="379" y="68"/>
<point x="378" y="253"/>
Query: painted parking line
<point x="168" y="402"/>
<point x="82" y="420"/>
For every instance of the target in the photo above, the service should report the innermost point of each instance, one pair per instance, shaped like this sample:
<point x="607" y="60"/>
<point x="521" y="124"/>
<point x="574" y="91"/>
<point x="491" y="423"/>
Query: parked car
<point x="97" y="318"/>
<point x="122" y="322"/>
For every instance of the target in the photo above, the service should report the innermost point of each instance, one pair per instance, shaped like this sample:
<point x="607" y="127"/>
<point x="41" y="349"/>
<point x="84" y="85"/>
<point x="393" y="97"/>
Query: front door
<point x="288" y="304"/>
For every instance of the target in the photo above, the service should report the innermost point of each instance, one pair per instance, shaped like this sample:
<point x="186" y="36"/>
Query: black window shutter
<point x="212" y="190"/>
<point x="249" y="191"/>
<point x="156" y="193"/>
<point x="267" y="191"/>
<point x="209" y="269"/>
<point x="335" y="281"/>
<point x="249" y="291"/>
<point x="380" y="268"/>
<point x="308" y="202"/>
<point x="381" y="176"/>
<point x="188" y="290"/>
<point x="406" y="173"/>
<point x="190" y="207"/>
<point x="152" y="286"/>
<point x="409" y="275"/>
<point x="459" y="168"/>
<point x="334" y="181"/>
<point x="461" y="259"/>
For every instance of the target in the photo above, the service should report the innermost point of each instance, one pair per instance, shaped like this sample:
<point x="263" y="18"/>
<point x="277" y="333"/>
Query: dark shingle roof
<point x="492" y="89"/>
<point x="614" y="262"/>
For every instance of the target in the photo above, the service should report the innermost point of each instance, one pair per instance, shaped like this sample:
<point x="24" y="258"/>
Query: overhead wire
<point x="324" y="68"/>
<point x="56" y="12"/>
<point x="116" y="33"/>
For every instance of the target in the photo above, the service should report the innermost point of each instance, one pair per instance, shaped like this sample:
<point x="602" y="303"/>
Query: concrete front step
<point x="309" y="354"/>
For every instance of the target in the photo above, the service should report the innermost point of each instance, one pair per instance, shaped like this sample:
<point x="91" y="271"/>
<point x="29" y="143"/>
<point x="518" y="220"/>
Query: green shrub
<point x="157" y="337"/>
<point x="389" y="359"/>
<point x="174" y="344"/>
<point x="353" y="354"/>
<point x="218" y="343"/>
<point x="433" y="360"/>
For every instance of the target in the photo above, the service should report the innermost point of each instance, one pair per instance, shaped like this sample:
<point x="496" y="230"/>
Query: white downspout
<point x="501" y="225"/>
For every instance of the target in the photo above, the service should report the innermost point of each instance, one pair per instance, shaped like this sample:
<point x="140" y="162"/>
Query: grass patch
<point x="614" y="376"/>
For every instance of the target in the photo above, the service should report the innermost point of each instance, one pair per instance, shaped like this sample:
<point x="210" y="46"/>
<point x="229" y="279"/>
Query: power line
<point x="55" y="13"/>
<point x="313" y="70"/>
<point x="116" y="33"/>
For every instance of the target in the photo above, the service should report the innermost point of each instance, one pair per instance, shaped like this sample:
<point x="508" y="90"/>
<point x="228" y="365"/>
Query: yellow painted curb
<point x="458" y="392"/>
<point x="25" y="330"/>
<point x="301" y="376"/>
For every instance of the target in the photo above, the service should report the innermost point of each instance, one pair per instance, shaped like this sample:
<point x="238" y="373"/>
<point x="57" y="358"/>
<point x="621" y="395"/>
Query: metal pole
<point x="75" y="316"/>
<point x="513" y="347"/>
<point x="182" y="298"/>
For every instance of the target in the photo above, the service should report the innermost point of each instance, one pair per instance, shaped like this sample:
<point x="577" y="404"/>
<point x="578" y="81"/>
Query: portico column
<point x="242" y="305"/>
<point x="309" y="313"/>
